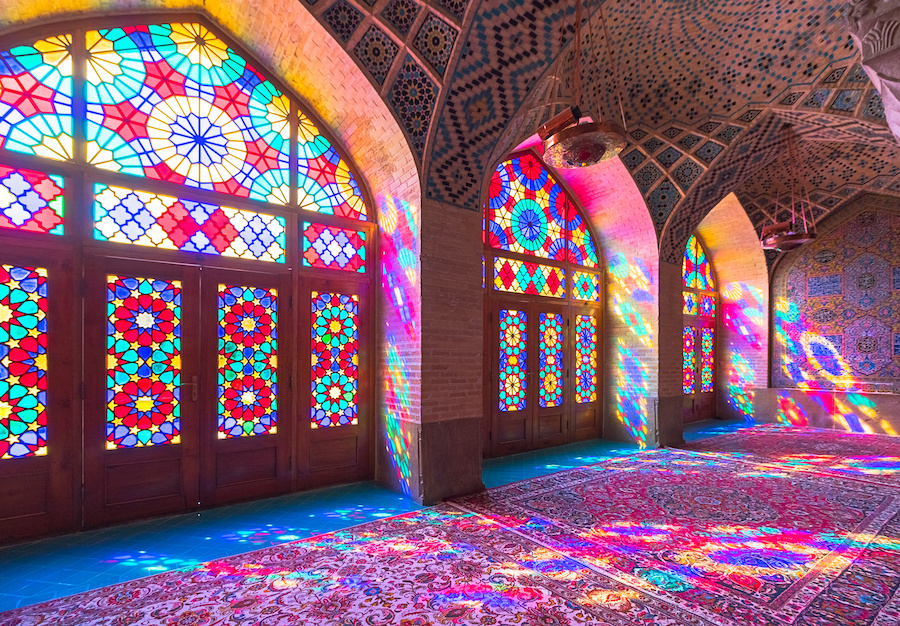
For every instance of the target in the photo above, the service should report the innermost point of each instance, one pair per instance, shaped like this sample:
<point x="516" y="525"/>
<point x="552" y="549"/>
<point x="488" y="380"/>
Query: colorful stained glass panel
<point x="707" y="359"/>
<point x="143" y="375"/>
<point x="23" y="365"/>
<point x="149" y="219"/>
<point x="31" y="201"/>
<point x="689" y="352"/>
<point x="527" y="210"/>
<point x="248" y="361"/>
<point x="586" y="286"/>
<point x="335" y="360"/>
<point x="534" y="278"/>
<point x="513" y="360"/>
<point x="707" y="305"/>
<point x="690" y="302"/>
<point x="36" y="98"/>
<point x="585" y="358"/>
<point x="325" y="182"/>
<point x="550" y="356"/>
<point x="330" y="247"/>
<point x="581" y="246"/>
<point x="173" y="102"/>
<point x="696" y="268"/>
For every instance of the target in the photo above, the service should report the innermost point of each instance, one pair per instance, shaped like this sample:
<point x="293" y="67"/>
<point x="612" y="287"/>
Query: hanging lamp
<point x="567" y="142"/>
<point x="784" y="236"/>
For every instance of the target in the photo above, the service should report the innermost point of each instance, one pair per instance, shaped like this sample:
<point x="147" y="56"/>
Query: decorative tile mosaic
<point x="653" y="144"/>
<point x="672" y="131"/>
<point x="874" y="107"/>
<point x="376" y="51"/>
<point x="661" y="202"/>
<point x="709" y="151"/>
<point x="668" y="157"/>
<point x="435" y="42"/>
<point x="638" y="134"/>
<point x="791" y="99"/>
<point x="413" y="96"/>
<point x="857" y="75"/>
<point x="750" y="115"/>
<point x="401" y="14"/>
<point x="647" y="176"/>
<point x="816" y="99"/>
<point x="896" y="281"/>
<point x="456" y="7"/>
<point x="728" y="133"/>
<point x="689" y="141"/>
<point x="846" y="100"/>
<point x="343" y="18"/>
<point x="709" y="127"/>
<point x="824" y="285"/>
<point x="835" y="75"/>
<point x="633" y="159"/>
<point x="687" y="173"/>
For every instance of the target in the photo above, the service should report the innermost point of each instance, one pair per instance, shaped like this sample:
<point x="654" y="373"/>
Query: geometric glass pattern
<point x="707" y="305"/>
<point x="707" y="366"/>
<point x="513" y="360"/>
<point x="689" y="352"/>
<point x="325" y="184"/>
<point x="248" y="356"/>
<point x="149" y="219"/>
<point x="696" y="270"/>
<point x="173" y="102"/>
<point x="585" y="359"/>
<point x="335" y="359"/>
<point x="334" y="248"/>
<point x="585" y="286"/>
<point x="31" y="201"/>
<point x="23" y="362"/>
<point x="532" y="278"/>
<point x="529" y="212"/>
<point x="551" y="358"/>
<point x="690" y="302"/>
<point x="36" y="98"/>
<point x="143" y="376"/>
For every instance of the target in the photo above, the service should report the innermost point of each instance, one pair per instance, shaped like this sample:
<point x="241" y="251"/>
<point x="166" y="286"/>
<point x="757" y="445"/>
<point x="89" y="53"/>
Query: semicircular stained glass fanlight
<point x="529" y="212"/>
<point x="174" y="102"/>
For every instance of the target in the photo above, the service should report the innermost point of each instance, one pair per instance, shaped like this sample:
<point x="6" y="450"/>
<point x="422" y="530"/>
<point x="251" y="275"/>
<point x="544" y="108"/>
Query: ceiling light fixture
<point x="784" y="236"/>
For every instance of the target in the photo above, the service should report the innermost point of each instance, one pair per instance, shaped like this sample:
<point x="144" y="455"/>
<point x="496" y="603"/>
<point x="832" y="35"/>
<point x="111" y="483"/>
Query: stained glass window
<point x="513" y="360"/>
<point x="36" y="98"/>
<point x="690" y="303"/>
<point x="143" y="375"/>
<point x="534" y="278"/>
<point x="326" y="184"/>
<point x="585" y="358"/>
<point x="149" y="219"/>
<point x="581" y="246"/>
<point x="707" y="305"/>
<point x="689" y="352"/>
<point x="696" y="269"/>
<point x="550" y="356"/>
<point x="248" y="361"/>
<point x="23" y="365"/>
<point x="31" y="200"/>
<point x="335" y="359"/>
<point x="585" y="286"/>
<point x="330" y="247"/>
<point x="173" y="102"/>
<point x="707" y="356"/>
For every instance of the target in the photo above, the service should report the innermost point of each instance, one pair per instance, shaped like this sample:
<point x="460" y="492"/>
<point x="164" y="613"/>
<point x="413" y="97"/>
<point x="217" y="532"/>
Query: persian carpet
<point x="853" y="455"/>
<point x="663" y="537"/>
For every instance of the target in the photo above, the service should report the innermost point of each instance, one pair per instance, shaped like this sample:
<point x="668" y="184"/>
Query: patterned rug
<point x="853" y="455"/>
<point x="663" y="537"/>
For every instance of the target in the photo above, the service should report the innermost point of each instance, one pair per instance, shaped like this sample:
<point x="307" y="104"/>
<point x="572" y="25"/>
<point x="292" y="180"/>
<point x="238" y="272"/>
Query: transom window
<point x="699" y="302"/>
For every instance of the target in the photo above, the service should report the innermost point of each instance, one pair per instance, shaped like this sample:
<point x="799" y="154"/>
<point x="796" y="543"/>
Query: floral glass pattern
<point x="532" y="278"/>
<point x="23" y="364"/>
<point x="550" y="358"/>
<point x="148" y="219"/>
<point x="689" y="352"/>
<point x="529" y="212"/>
<point x="707" y="305"/>
<point x="143" y="375"/>
<point x="586" y="286"/>
<point x="707" y="356"/>
<point x="31" y="201"/>
<point x="248" y="358"/>
<point x="696" y="269"/>
<point x="173" y="102"/>
<point x="326" y="184"/>
<point x="690" y="302"/>
<point x="330" y="247"/>
<point x="513" y="360"/>
<point x="36" y="98"/>
<point x="335" y="359"/>
<point x="585" y="359"/>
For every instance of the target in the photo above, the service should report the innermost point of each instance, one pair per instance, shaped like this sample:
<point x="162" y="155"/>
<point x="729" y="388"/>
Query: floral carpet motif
<point x="663" y="537"/>
<point x="853" y="455"/>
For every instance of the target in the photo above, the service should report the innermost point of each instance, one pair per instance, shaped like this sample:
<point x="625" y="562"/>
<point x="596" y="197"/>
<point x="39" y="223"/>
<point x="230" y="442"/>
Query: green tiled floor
<point x="60" y="566"/>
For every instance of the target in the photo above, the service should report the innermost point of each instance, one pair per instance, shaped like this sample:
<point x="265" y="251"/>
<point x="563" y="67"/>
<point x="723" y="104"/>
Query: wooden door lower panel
<point x="586" y="421"/>
<point x="336" y="455"/>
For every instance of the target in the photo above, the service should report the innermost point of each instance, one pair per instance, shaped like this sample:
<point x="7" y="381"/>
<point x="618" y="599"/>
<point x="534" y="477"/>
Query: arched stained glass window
<point x="699" y="304"/>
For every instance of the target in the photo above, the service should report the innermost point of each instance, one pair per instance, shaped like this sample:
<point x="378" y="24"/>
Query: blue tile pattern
<point x="377" y="52"/>
<point x="435" y="42"/>
<point x="824" y="285"/>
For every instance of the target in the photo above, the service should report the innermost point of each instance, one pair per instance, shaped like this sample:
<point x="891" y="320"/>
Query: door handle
<point x="194" y="388"/>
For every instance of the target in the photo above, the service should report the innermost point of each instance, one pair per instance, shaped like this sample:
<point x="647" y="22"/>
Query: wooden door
<point x="698" y="370"/>
<point x="142" y="389"/>
<point x="548" y="364"/>
<point x="511" y="404"/>
<point x="40" y="416"/>
<point x="246" y="378"/>
<point x="587" y="415"/>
